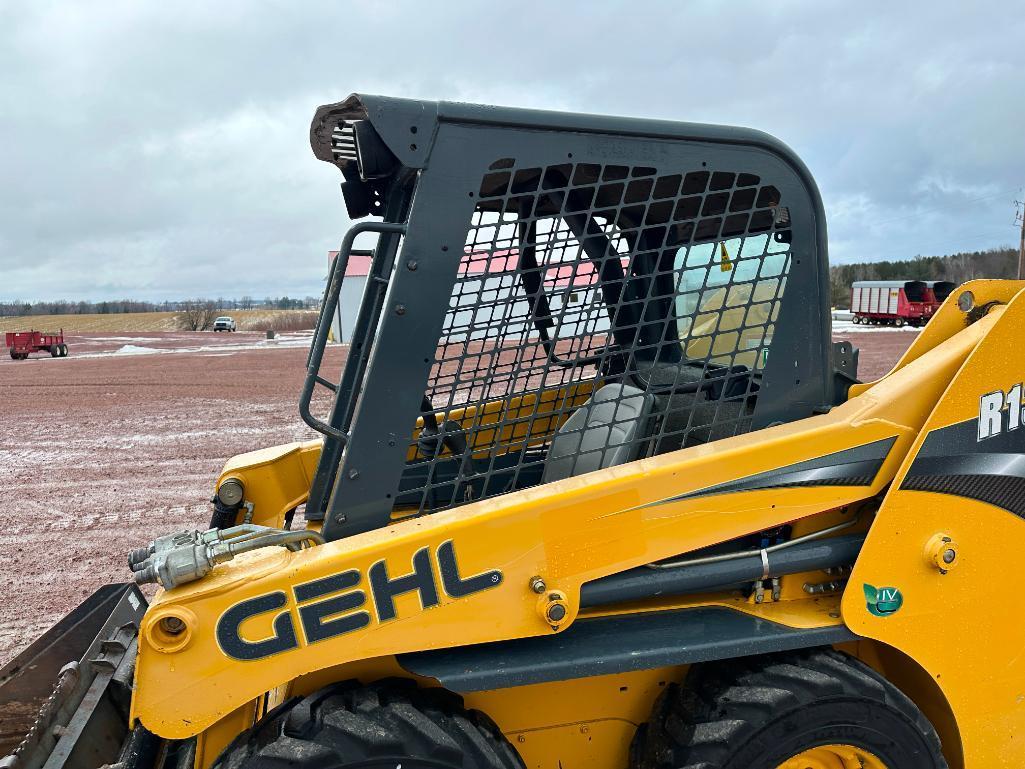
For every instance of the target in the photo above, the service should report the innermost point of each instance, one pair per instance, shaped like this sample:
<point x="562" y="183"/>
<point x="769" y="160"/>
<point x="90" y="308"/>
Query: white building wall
<point x="344" y="319"/>
<point x="502" y="311"/>
<point x="495" y="307"/>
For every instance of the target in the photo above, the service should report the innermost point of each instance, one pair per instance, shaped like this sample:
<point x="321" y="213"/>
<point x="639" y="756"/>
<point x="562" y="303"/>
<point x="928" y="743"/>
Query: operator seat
<point x="609" y="429"/>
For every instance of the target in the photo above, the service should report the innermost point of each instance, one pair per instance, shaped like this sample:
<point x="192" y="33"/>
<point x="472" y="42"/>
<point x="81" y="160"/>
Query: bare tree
<point x="962" y="267"/>
<point x="197" y="314"/>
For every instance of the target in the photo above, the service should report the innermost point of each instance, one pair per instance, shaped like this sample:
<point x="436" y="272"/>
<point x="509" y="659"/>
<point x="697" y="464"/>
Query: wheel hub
<point x="833" y="757"/>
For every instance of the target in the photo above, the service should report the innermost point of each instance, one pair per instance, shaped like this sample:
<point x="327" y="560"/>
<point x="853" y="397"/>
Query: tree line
<point x="957" y="268"/>
<point x="19" y="308"/>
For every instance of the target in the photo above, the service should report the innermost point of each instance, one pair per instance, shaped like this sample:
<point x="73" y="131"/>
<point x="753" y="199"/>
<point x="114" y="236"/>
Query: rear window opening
<point x="600" y="314"/>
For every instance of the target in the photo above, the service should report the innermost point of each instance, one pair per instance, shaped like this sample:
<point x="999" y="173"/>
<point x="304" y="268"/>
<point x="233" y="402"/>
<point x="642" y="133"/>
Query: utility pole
<point x="1019" y="218"/>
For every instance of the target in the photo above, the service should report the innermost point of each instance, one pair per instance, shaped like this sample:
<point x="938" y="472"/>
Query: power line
<point x="1019" y="218"/>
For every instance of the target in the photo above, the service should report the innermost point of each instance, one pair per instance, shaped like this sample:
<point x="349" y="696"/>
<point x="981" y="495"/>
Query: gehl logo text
<point x="334" y="605"/>
<point x="999" y="412"/>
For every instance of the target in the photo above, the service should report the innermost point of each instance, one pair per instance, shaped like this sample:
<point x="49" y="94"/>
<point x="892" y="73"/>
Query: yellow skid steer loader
<point x="595" y="489"/>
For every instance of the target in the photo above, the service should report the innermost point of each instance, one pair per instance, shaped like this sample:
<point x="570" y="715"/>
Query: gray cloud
<point x="159" y="150"/>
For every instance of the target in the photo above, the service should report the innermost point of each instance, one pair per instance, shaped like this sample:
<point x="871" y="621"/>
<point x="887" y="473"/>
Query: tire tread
<point x="699" y="725"/>
<point x="350" y="723"/>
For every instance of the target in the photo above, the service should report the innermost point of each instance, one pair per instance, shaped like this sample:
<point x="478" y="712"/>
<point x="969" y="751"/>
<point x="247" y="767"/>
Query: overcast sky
<point x="160" y="150"/>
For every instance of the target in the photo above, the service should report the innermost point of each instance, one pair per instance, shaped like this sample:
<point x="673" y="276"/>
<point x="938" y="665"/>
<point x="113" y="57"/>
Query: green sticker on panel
<point x="883" y="601"/>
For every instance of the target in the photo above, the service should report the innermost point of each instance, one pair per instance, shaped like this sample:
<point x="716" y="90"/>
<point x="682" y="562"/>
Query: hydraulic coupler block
<point x="186" y="556"/>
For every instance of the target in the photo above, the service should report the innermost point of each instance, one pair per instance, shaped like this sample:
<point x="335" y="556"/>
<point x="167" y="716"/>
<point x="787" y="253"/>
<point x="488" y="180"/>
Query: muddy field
<point x="122" y="441"/>
<point x="132" y="322"/>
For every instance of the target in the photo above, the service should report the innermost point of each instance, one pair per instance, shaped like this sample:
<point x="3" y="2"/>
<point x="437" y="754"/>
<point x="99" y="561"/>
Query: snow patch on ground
<point x="131" y="349"/>
<point x="122" y="339"/>
<point x="129" y="441"/>
<point x="290" y="340"/>
<point x="31" y="457"/>
<point x="848" y="326"/>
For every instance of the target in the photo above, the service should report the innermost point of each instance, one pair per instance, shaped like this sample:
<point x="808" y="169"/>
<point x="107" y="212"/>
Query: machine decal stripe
<point x="856" y="466"/>
<point x="953" y="461"/>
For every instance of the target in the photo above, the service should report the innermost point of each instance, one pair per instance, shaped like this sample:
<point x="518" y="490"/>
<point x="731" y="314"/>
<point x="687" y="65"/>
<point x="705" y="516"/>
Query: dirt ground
<point x="122" y="441"/>
<point x="131" y="322"/>
<point x="879" y="350"/>
<point x="119" y="442"/>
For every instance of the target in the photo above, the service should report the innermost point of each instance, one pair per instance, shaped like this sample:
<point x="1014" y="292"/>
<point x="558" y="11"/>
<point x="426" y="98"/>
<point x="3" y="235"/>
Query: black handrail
<point x="316" y="356"/>
<point x="321" y="317"/>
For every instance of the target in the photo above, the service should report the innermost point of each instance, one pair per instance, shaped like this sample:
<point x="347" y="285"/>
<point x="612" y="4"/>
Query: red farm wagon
<point x="21" y="344"/>
<point x="897" y="302"/>
<point x="940" y="290"/>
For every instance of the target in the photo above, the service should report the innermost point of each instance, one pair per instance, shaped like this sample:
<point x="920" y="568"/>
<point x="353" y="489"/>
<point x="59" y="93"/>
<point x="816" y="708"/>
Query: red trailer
<point x="892" y="302"/>
<point x="21" y="344"/>
<point x="939" y="290"/>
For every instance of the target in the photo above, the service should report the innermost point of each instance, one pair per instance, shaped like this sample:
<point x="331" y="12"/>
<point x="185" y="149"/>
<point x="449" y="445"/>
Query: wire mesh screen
<point x="600" y="314"/>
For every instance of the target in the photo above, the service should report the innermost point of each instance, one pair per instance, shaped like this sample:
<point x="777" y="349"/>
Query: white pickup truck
<point x="225" y="323"/>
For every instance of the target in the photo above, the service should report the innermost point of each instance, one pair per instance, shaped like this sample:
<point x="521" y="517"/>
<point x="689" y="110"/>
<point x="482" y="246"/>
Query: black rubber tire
<point x="381" y="725"/>
<point x="54" y="350"/>
<point x="757" y="712"/>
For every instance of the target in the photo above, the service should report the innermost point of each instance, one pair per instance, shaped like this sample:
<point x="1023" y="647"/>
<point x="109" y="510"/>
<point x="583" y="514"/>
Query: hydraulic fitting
<point x="176" y="559"/>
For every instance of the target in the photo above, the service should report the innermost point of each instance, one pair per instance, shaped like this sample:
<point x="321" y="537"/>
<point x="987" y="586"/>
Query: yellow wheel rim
<point x="834" y="757"/>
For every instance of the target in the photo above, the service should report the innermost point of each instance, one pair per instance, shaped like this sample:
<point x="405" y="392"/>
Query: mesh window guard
<point x="600" y="314"/>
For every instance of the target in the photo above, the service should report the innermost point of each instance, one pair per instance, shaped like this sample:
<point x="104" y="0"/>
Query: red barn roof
<point x="580" y="274"/>
<point x="358" y="266"/>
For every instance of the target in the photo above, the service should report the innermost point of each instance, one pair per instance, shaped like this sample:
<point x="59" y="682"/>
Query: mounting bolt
<point x="172" y="625"/>
<point x="556" y="613"/>
<point x="412" y="265"/>
<point x="400" y="309"/>
<point x="353" y="474"/>
<point x="340" y="518"/>
<point x="553" y="608"/>
<point x="538" y="585"/>
<point x="966" y="301"/>
<point x="942" y="552"/>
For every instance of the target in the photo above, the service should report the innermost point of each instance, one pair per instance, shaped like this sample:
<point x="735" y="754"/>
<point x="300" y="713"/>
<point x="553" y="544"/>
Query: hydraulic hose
<point x="710" y="575"/>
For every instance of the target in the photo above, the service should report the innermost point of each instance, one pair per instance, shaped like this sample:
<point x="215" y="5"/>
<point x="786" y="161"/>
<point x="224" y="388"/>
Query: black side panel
<point x="851" y="467"/>
<point x="605" y="645"/>
<point x="953" y="461"/>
